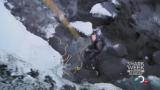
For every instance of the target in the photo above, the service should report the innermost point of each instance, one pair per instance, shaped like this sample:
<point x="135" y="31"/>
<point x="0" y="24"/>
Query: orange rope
<point x="55" y="9"/>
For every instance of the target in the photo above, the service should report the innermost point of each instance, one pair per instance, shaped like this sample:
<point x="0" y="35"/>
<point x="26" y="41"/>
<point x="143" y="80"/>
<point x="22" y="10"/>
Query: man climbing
<point x="94" y="49"/>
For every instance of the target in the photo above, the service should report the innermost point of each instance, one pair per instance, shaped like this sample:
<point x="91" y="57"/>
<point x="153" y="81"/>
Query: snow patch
<point x="15" y="65"/>
<point x="49" y="30"/>
<point x="115" y="2"/>
<point x="116" y="46"/>
<point x="84" y="27"/>
<point x="99" y="9"/>
<point x="155" y="81"/>
<point x="104" y="86"/>
<point x="10" y="5"/>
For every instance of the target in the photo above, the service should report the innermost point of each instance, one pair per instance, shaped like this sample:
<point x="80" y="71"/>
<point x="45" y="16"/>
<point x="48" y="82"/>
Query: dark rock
<point x="63" y="33"/>
<point x="111" y="67"/>
<point x="34" y="73"/>
<point x="156" y="57"/>
<point x="142" y="40"/>
<point x="84" y="14"/>
<point x="68" y="7"/>
<point x="145" y="14"/>
<point x="111" y="8"/>
<point x="4" y="70"/>
<point x="83" y="89"/>
<point x="85" y="75"/>
<point x="85" y="6"/>
<point x="34" y="15"/>
<point x="118" y="50"/>
<point x="67" y="87"/>
<point x="49" y="80"/>
<point x="3" y="67"/>
<point x="61" y="38"/>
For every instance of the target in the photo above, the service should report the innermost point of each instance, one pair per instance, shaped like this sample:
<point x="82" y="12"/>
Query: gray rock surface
<point x="156" y="57"/>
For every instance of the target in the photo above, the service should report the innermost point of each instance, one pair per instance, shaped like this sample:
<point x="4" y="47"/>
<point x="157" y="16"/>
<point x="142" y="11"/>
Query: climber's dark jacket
<point x="97" y="46"/>
<point x="93" y="50"/>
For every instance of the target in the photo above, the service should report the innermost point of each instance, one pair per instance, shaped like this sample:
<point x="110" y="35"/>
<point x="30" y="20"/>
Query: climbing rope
<point x="55" y="9"/>
<point x="66" y="56"/>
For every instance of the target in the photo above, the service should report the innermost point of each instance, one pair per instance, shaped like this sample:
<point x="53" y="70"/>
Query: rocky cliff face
<point x="133" y="35"/>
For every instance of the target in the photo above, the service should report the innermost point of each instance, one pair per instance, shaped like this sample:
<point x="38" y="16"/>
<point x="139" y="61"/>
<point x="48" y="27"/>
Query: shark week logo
<point x="137" y="68"/>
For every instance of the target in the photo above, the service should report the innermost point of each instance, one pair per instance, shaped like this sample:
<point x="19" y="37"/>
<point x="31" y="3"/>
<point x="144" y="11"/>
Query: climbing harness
<point x="78" y="68"/>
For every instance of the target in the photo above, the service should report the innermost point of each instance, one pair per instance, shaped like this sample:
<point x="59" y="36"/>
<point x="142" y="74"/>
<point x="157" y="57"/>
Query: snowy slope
<point x="16" y="40"/>
<point x="104" y="86"/>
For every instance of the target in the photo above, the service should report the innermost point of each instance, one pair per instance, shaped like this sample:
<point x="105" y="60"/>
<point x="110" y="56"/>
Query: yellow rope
<point x="60" y="41"/>
<point x="65" y="49"/>
<point x="68" y="58"/>
<point x="66" y="73"/>
<point x="55" y="9"/>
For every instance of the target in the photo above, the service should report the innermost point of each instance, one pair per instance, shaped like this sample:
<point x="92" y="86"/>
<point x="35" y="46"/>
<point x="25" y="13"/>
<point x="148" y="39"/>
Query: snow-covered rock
<point x="102" y="86"/>
<point x="84" y="27"/>
<point x="99" y="9"/>
<point x="37" y="18"/>
<point x="106" y="9"/>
